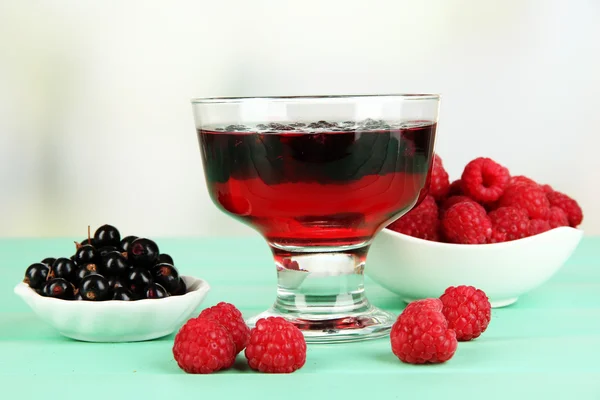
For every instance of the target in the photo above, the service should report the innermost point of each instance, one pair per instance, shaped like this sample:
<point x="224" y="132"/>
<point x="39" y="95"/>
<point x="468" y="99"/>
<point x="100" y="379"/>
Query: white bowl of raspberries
<point x="112" y="289"/>
<point x="503" y="234"/>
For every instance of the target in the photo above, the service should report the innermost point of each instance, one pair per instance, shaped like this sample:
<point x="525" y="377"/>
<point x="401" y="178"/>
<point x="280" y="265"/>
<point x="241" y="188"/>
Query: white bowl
<point x="416" y="268"/>
<point x="117" y="321"/>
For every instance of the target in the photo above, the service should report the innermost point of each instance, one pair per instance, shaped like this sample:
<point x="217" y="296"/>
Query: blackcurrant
<point x="59" y="288"/>
<point x="84" y="271"/>
<point x="122" y="294"/>
<point x="87" y="255"/>
<point x="182" y="288"/>
<point x="89" y="241"/>
<point x="63" y="268"/>
<point x="48" y="261"/>
<point x="107" y="235"/>
<point x="167" y="276"/>
<point x="126" y="242"/>
<point x="102" y="251"/>
<point x="165" y="258"/>
<point x="155" y="291"/>
<point x="137" y="280"/>
<point x="143" y="253"/>
<point x="36" y="275"/>
<point x="94" y="288"/>
<point x="117" y="282"/>
<point x="115" y="264"/>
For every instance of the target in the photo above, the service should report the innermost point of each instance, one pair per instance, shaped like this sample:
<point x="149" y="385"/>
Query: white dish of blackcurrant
<point x="112" y="290"/>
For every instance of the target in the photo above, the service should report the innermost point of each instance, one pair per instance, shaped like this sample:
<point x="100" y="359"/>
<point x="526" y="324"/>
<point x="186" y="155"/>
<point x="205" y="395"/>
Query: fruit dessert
<point x="486" y="205"/>
<point x="108" y="267"/>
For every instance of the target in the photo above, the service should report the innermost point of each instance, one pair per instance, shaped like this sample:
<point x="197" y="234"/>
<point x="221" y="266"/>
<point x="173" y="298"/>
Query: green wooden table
<point x="547" y="345"/>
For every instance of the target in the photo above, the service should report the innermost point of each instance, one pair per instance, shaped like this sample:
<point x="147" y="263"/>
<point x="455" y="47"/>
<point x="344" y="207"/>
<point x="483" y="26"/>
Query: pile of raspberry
<point x="486" y="205"/>
<point x="211" y="342"/>
<point x="428" y="330"/>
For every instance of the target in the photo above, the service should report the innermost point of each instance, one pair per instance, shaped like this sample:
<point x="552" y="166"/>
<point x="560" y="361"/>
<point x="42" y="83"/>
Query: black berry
<point x="115" y="264"/>
<point x="143" y="253"/>
<point x="94" y="288"/>
<point x="102" y="251"/>
<point x="117" y="282"/>
<point x="182" y="288"/>
<point x="84" y="271"/>
<point x="155" y="291"/>
<point x="167" y="276"/>
<point x="126" y="242"/>
<point x="59" y="288"/>
<point x="107" y="235"/>
<point x="87" y="254"/>
<point x="165" y="258"/>
<point x="36" y="275"/>
<point x="63" y="268"/>
<point x="88" y="241"/>
<point x="137" y="280"/>
<point x="122" y="294"/>
<point x="48" y="261"/>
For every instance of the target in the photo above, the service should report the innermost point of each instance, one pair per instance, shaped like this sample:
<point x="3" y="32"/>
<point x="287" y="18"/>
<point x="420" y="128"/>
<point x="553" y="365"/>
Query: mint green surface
<point x="547" y="345"/>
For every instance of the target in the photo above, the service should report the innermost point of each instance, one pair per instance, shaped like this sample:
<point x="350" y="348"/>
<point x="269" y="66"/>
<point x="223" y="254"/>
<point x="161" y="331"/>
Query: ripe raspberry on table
<point x="484" y="180"/>
<point x="531" y="198"/>
<point x="520" y="179"/>
<point x="466" y="223"/>
<point x="420" y="222"/>
<point x="467" y="310"/>
<point x="203" y="346"/>
<point x="276" y="346"/>
<point x="231" y="318"/>
<point x="440" y="183"/>
<point x="452" y="200"/>
<point x="512" y="221"/>
<point x="421" y="335"/>
<point x="568" y="205"/>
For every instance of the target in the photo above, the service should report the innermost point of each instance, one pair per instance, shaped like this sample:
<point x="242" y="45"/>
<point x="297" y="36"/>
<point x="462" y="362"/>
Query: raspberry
<point x="547" y="188"/>
<point x="466" y="223"/>
<point x="512" y="221"/>
<point x="537" y="226"/>
<point x="231" y="318"/>
<point x="568" y="205"/>
<point x="531" y="198"/>
<point x="203" y="346"/>
<point x="276" y="346"/>
<point x="467" y="310"/>
<point x="420" y="222"/>
<point x="497" y="236"/>
<point x="455" y="188"/>
<point x="484" y="180"/>
<point x="521" y="179"/>
<point x="439" y="183"/>
<point x="420" y="334"/>
<point x="450" y="201"/>
<point x="557" y="217"/>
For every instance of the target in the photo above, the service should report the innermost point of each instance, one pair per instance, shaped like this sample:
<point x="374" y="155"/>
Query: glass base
<point x="323" y="295"/>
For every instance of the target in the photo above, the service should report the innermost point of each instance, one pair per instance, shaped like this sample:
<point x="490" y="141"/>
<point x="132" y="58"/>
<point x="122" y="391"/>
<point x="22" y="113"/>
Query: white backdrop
<point x="96" y="125"/>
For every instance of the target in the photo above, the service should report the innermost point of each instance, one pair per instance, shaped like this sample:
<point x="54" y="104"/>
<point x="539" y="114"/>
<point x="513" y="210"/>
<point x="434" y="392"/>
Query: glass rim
<point x="399" y="96"/>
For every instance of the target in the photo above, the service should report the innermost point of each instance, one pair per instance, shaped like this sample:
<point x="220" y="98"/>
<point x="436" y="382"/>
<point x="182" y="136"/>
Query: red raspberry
<point x="557" y="217"/>
<point x="420" y="222"/>
<point x="276" y="346"/>
<point x="497" y="236"/>
<point x="537" y="226"/>
<point x="466" y="223"/>
<point x="439" y="183"/>
<point x="231" y="318"/>
<point x="520" y="179"/>
<point x="568" y="205"/>
<point x="547" y="188"/>
<point x="531" y="198"/>
<point x="203" y="346"/>
<point x="455" y="188"/>
<point x="420" y="334"/>
<point x="484" y="180"/>
<point x="450" y="201"/>
<point x="512" y="221"/>
<point x="467" y="310"/>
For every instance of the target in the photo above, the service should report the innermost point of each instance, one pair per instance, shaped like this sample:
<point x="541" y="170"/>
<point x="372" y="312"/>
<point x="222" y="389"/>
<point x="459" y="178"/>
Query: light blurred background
<point x="96" y="125"/>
